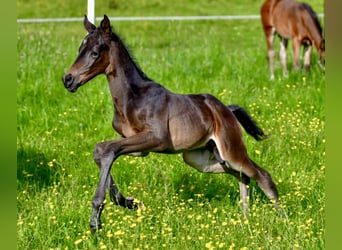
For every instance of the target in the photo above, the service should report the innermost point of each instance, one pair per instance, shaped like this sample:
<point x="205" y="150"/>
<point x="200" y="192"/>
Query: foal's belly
<point x="188" y="136"/>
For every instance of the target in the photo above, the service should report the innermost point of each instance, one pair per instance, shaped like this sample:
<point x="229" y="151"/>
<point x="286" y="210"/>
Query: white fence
<point x="92" y="18"/>
<point x="148" y="18"/>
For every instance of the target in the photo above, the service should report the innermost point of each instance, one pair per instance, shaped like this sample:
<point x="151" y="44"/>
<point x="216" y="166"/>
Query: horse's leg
<point x="233" y="151"/>
<point x="307" y="56"/>
<point x="243" y="179"/>
<point x="266" y="183"/>
<point x="105" y="154"/>
<point x="321" y="53"/>
<point x="240" y="161"/>
<point x="209" y="161"/>
<point x="204" y="161"/>
<point x="270" y="51"/>
<point x="269" y="29"/>
<point x="115" y="194"/>
<point x="283" y="55"/>
<point x="104" y="164"/>
<point x="295" y="54"/>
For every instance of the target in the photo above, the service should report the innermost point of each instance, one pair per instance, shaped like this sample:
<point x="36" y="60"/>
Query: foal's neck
<point x="124" y="73"/>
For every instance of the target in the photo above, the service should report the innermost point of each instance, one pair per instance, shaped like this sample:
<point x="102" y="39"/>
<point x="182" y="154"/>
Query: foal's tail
<point x="247" y="122"/>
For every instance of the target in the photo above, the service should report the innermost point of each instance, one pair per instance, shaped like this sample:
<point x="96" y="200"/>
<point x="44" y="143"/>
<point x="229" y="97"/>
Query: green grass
<point x="57" y="131"/>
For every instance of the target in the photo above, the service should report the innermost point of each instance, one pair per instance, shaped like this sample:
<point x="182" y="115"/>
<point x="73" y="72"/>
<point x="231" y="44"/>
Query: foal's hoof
<point x="95" y="228"/>
<point x="134" y="204"/>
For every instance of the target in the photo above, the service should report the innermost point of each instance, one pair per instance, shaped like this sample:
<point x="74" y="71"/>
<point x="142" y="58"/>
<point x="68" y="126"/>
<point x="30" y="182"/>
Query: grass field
<point x="57" y="131"/>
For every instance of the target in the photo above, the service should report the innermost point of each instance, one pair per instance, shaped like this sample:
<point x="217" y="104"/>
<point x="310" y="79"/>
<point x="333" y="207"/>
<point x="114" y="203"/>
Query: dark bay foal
<point x="150" y="118"/>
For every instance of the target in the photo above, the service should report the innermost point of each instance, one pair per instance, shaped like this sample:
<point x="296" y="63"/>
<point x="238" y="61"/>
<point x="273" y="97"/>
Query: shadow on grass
<point x="33" y="168"/>
<point x="211" y="187"/>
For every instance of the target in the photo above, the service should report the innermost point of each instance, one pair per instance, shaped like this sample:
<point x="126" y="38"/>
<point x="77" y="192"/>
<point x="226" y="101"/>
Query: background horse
<point x="150" y="118"/>
<point x="295" y="21"/>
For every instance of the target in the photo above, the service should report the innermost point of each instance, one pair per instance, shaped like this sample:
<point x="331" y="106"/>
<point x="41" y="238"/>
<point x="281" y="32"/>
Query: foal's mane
<point x="127" y="50"/>
<point x="314" y="17"/>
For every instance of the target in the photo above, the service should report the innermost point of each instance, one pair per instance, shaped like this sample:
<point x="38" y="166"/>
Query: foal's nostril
<point x="68" y="80"/>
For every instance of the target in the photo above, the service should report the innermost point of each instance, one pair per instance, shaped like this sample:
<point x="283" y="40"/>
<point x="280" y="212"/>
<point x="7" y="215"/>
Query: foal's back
<point x="190" y="119"/>
<point x="289" y="18"/>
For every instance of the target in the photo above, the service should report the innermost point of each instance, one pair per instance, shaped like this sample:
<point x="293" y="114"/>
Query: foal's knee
<point x="99" y="152"/>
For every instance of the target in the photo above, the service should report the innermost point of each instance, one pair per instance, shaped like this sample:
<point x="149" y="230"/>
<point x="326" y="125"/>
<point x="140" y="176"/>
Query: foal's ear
<point x="88" y="25"/>
<point x="105" y="25"/>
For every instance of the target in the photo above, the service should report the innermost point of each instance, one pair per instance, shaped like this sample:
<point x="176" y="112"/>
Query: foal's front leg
<point x="105" y="164"/>
<point x="283" y="55"/>
<point x="105" y="154"/>
<point x="117" y="197"/>
<point x="115" y="194"/>
<point x="307" y="56"/>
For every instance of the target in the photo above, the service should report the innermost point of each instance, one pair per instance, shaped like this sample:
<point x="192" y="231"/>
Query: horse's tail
<point x="247" y="122"/>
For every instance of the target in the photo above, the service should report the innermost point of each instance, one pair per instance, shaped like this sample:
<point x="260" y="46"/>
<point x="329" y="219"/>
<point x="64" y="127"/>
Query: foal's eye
<point x="94" y="54"/>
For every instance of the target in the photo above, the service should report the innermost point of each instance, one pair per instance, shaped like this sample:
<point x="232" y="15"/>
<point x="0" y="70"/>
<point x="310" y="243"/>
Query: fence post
<point x="91" y="11"/>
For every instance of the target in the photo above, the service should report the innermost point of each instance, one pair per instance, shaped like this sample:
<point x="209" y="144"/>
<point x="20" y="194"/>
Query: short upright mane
<point x="115" y="37"/>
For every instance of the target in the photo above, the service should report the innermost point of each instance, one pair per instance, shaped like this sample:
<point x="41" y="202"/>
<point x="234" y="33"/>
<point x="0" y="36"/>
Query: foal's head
<point x="93" y="56"/>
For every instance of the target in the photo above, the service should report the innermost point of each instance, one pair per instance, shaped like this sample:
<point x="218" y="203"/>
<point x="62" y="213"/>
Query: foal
<point x="296" y="21"/>
<point x="150" y="118"/>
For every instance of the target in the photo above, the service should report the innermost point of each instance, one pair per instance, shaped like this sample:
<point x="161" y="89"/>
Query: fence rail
<point x="145" y="18"/>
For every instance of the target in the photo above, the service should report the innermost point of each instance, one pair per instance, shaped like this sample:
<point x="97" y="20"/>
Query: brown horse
<point x="150" y="118"/>
<point x="295" y="21"/>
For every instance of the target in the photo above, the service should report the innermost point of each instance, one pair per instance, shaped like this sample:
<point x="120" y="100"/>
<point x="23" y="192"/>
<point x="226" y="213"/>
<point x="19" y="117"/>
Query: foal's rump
<point x="287" y="18"/>
<point x="293" y="18"/>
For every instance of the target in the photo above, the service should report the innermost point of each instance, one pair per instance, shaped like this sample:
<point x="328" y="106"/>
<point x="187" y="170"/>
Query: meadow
<point x="184" y="209"/>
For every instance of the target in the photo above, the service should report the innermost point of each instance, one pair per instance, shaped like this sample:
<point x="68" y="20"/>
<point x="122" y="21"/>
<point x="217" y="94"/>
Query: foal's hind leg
<point x="234" y="153"/>
<point x="296" y="54"/>
<point x="260" y="175"/>
<point x="269" y="32"/>
<point x="243" y="179"/>
<point x="209" y="161"/>
<point x="266" y="183"/>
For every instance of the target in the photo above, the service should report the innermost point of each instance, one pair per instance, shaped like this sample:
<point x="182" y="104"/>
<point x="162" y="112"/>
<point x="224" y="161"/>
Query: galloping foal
<point x="150" y="118"/>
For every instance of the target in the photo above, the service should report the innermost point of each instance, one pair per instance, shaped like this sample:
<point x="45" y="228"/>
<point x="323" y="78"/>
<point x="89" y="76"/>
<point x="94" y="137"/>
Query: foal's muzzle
<point x="69" y="82"/>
